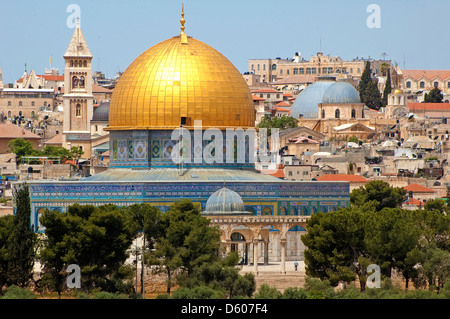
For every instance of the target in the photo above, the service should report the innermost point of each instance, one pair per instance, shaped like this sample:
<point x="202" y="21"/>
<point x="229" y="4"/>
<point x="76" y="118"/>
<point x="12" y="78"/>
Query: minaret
<point x="78" y="98"/>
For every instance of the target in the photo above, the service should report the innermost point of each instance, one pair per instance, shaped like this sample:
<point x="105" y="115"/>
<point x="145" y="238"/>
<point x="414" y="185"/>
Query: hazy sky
<point x="413" y="33"/>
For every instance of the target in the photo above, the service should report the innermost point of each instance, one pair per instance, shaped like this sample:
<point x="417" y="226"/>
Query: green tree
<point x="21" y="148"/>
<point x="335" y="242"/>
<point x="390" y="235"/>
<point x="281" y="123"/>
<point x="6" y="225"/>
<point x="187" y="241"/>
<point x="434" y="96"/>
<point x="372" y="96"/>
<point x="387" y="88"/>
<point x="96" y="239"/>
<point x="222" y="276"/>
<point x="378" y="193"/>
<point x="266" y="291"/>
<point x="22" y="241"/>
<point x="15" y="292"/>
<point x="366" y="78"/>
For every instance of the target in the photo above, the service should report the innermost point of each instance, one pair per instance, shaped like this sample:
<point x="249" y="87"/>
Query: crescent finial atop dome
<point x="183" y="21"/>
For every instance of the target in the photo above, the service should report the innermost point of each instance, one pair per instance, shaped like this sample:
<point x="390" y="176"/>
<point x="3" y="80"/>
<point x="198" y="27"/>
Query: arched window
<point x="85" y="63"/>
<point x="422" y="84"/>
<point x="78" y="110"/>
<point x="32" y="103"/>
<point x="33" y="114"/>
<point x="20" y="103"/>
<point x="9" y="114"/>
<point x="408" y="84"/>
<point x="71" y="63"/>
<point x="323" y="113"/>
<point x="82" y="82"/>
<point x="267" y="211"/>
<point x="274" y="67"/>
<point x="75" y="64"/>
<point x="9" y="103"/>
<point x="283" y="211"/>
<point x="74" y="82"/>
<point x="337" y="114"/>
<point x="353" y="114"/>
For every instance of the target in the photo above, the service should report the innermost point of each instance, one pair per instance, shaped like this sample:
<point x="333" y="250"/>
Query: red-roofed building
<point x="425" y="80"/>
<point x="413" y="203"/>
<point x="355" y="181"/>
<point x="10" y="132"/>
<point x="420" y="192"/>
<point x="432" y="110"/>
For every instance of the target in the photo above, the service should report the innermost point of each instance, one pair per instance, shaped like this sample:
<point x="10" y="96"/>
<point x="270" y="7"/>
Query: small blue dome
<point x="224" y="201"/>
<point x="307" y="102"/>
<point x="341" y="92"/>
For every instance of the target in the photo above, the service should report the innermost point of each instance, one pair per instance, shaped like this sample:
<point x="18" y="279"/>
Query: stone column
<point x="255" y="257"/>
<point x="266" y="252"/>
<point x="283" y="255"/>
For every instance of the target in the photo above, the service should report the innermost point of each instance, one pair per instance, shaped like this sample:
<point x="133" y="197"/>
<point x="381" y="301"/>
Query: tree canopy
<point x="434" y="96"/>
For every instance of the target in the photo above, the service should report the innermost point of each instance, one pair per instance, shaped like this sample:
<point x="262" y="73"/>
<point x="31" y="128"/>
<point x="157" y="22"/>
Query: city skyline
<point x="118" y="32"/>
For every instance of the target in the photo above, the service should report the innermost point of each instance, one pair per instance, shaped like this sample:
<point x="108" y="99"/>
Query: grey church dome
<point x="341" y="92"/>
<point x="307" y="101"/>
<point x="101" y="113"/>
<point x="225" y="202"/>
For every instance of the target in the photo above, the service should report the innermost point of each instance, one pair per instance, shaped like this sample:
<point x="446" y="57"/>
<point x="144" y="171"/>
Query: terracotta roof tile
<point x="342" y="177"/>
<point x="12" y="131"/>
<point x="416" y="188"/>
<point x="414" y="202"/>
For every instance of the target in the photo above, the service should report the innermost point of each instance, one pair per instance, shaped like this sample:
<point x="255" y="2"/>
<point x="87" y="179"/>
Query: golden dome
<point x="181" y="78"/>
<point x="398" y="91"/>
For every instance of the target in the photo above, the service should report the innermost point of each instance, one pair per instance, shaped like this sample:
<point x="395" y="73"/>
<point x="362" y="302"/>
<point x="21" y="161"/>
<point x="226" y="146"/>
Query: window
<point x="268" y="96"/>
<point x="274" y="67"/>
<point x="20" y="103"/>
<point x="313" y="70"/>
<point x="408" y="84"/>
<point x="78" y="110"/>
<point x="261" y="95"/>
<point x="330" y="70"/>
<point x="351" y="70"/>
<point x="448" y="85"/>
<point x="324" y="70"/>
<point x="253" y="67"/>
<point x="337" y="114"/>
<point x="82" y="82"/>
<point x="436" y="84"/>
<point x="287" y="72"/>
<point x="422" y="84"/>
<point x="281" y="72"/>
<point x="296" y="72"/>
<point x="264" y="67"/>
<point x="32" y="103"/>
<point x="9" y="114"/>
<point x="301" y="71"/>
<point x="278" y="96"/>
<point x="258" y="67"/>
<point x="323" y="113"/>
<point x="74" y="82"/>
<point x="9" y="102"/>
<point x="308" y="70"/>
<point x="85" y="63"/>
<point x="353" y="114"/>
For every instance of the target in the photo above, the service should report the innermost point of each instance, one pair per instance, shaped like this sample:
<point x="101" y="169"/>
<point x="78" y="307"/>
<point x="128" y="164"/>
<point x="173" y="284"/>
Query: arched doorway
<point x="236" y="239"/>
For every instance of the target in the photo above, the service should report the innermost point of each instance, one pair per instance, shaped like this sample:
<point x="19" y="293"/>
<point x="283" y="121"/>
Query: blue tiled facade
<point x="261" y="198"/>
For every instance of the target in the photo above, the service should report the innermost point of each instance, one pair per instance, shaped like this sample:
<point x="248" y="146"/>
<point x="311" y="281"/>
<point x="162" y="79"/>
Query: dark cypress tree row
<point x="22" y="241"/>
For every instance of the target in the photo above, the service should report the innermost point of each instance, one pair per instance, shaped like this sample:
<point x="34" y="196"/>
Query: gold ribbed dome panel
<point x="172" y="80"/>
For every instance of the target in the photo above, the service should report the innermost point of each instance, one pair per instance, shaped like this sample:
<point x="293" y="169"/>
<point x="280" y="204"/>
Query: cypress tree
<point x="364" y="82"/>
<point x="372" y="96"/>
<point x="22" y="241"/>
<point x="387" y="88"/>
